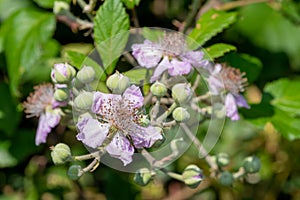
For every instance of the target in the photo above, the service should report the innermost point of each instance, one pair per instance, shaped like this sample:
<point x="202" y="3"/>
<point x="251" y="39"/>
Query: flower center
<point x="234" y="81"/>
<point x="39" y="100"/>
<point x="172" y="44"/>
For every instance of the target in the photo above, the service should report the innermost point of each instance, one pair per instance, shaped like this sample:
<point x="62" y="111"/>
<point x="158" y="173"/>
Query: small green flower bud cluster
<point x="252" y="164"/>
<point x="182" y="93"/>
<point x="192" y="176"/>
<point x="143" y="176"/>
<point x="74" y="172"/>
<point x="222" y="160"/>
<point x="61" y="154"/>
<point x="180" y="114"/>
<point x="226" y="178"/>
<point x="85" y="75"/>
<point x="158" y="89"/>
<point x="63" y="73"/>
<point x="118" y="83"/>
<point x="84" y="100"/>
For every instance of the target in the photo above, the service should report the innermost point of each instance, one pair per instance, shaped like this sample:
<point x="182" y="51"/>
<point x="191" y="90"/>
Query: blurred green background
<point x="32" y="40"/>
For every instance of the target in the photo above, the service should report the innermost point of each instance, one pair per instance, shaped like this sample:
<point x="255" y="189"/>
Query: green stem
<point x="167" y="113"/>
<point x="201" y="149"/>
<point x="83" y="5"/>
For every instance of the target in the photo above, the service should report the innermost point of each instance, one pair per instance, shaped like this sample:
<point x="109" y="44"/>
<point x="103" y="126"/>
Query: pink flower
<point x="120" y="113"/>
<point x="41" y="104"/>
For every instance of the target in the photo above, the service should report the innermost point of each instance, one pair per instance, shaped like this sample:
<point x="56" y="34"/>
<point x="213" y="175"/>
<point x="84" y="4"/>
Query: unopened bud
<point x="62" y="73"/>
<point x="118" y="83"/>
<point x="84" y="100"/>
<point x="180" y="114"/>
<point x="60" y="153"/>
<point x="222" y="159"/>
<point x="252" y="164"/>
<point x="60" y="6"/>
<point x="192" y="176"/>
<point x="143" y="176"/>
<point x="182" y="93"/>
<point x="158" y="89"/>
<point x="226" y="178"/>
<point x="86" y="74"/>
<point x="61" y="94"/>
<point x="74" y="172"/>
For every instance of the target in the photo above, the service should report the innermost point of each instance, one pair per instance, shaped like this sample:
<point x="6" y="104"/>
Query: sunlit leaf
<point x="131" y="3"/>
<point x="210" y="24"/>
<point x="111" y="32"/>
<point x="218" y="50"/>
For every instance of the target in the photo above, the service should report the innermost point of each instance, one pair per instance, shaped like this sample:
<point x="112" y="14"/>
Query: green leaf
<point x="8" y="7"/>
<point x="287" y="125"/>
<point x="9" y="116"/>
<point x="131" y="3"/>
<point x="6" y="159"/>
<point x="137" y="76"/>
<point x="286" y="95"/>
<point x="111" y="32"/>
<point x="218" y="50"/>
<point x="28" y="33"/>
<point x="210" y="24"/>
<point x="152" y="34"/>
<point x="79" y="60"/>
<point x="252" y="66"/>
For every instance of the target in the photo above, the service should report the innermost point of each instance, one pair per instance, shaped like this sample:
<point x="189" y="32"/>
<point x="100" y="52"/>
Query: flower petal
<point x="121" y="148"/>
<point x="134" y="95"/>
<point x="241" y="101"/>
<point x="91" y="132"/>
<point x="231" y="107"/>
<point x="194" y="58"/>
<point x="47" y="121"/>
<point x="145" y="136"/>
<point x="179" y="67"/>
<point x="147" y="54"/>
<point x="102" y="100"/>
<point x="163" y="66"/>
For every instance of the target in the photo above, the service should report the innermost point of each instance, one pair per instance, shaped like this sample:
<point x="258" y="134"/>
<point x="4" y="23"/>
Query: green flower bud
<point x="62" y="73"/>
<point x="180" y="114"/>
<point x="143" y="176"/>
<point x="60" y="153"/>
<point x="252" y="164"/>
<point x="118" y="83"/>
<point x="84" y="100"/>
<point x="192" y="176"/>
<point x="182" y="93"/>
<point x="226" y="178"/>
<point x="74" y="172"/>
<point x="86" y="74"/>
<point x="61" y="94"/>
<point x="222" y="159"/>
<point x="158" y="89"/>
<point x="60" y="6"/>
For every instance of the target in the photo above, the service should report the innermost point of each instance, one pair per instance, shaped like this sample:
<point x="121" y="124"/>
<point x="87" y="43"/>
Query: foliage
<point x="260" y="39"/>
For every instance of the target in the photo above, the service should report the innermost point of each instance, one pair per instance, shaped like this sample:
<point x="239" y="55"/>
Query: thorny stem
<point x="202" y="97"/>
<point x="155" y="110"/>
<point x="234" y="4"/>
<point x="90" y="7"/>
<point x="201" y="149"/>
<point x="91" y="167"/>
<point x="169" y="124"/>
<point x="172" y="174"/>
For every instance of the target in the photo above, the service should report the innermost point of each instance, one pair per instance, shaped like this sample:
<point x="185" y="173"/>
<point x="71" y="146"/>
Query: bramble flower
<point x="170" y="53"/>
<point x="41" y="104"/>
<point x="118" y="114"/>
<point x="230" y="81"/>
